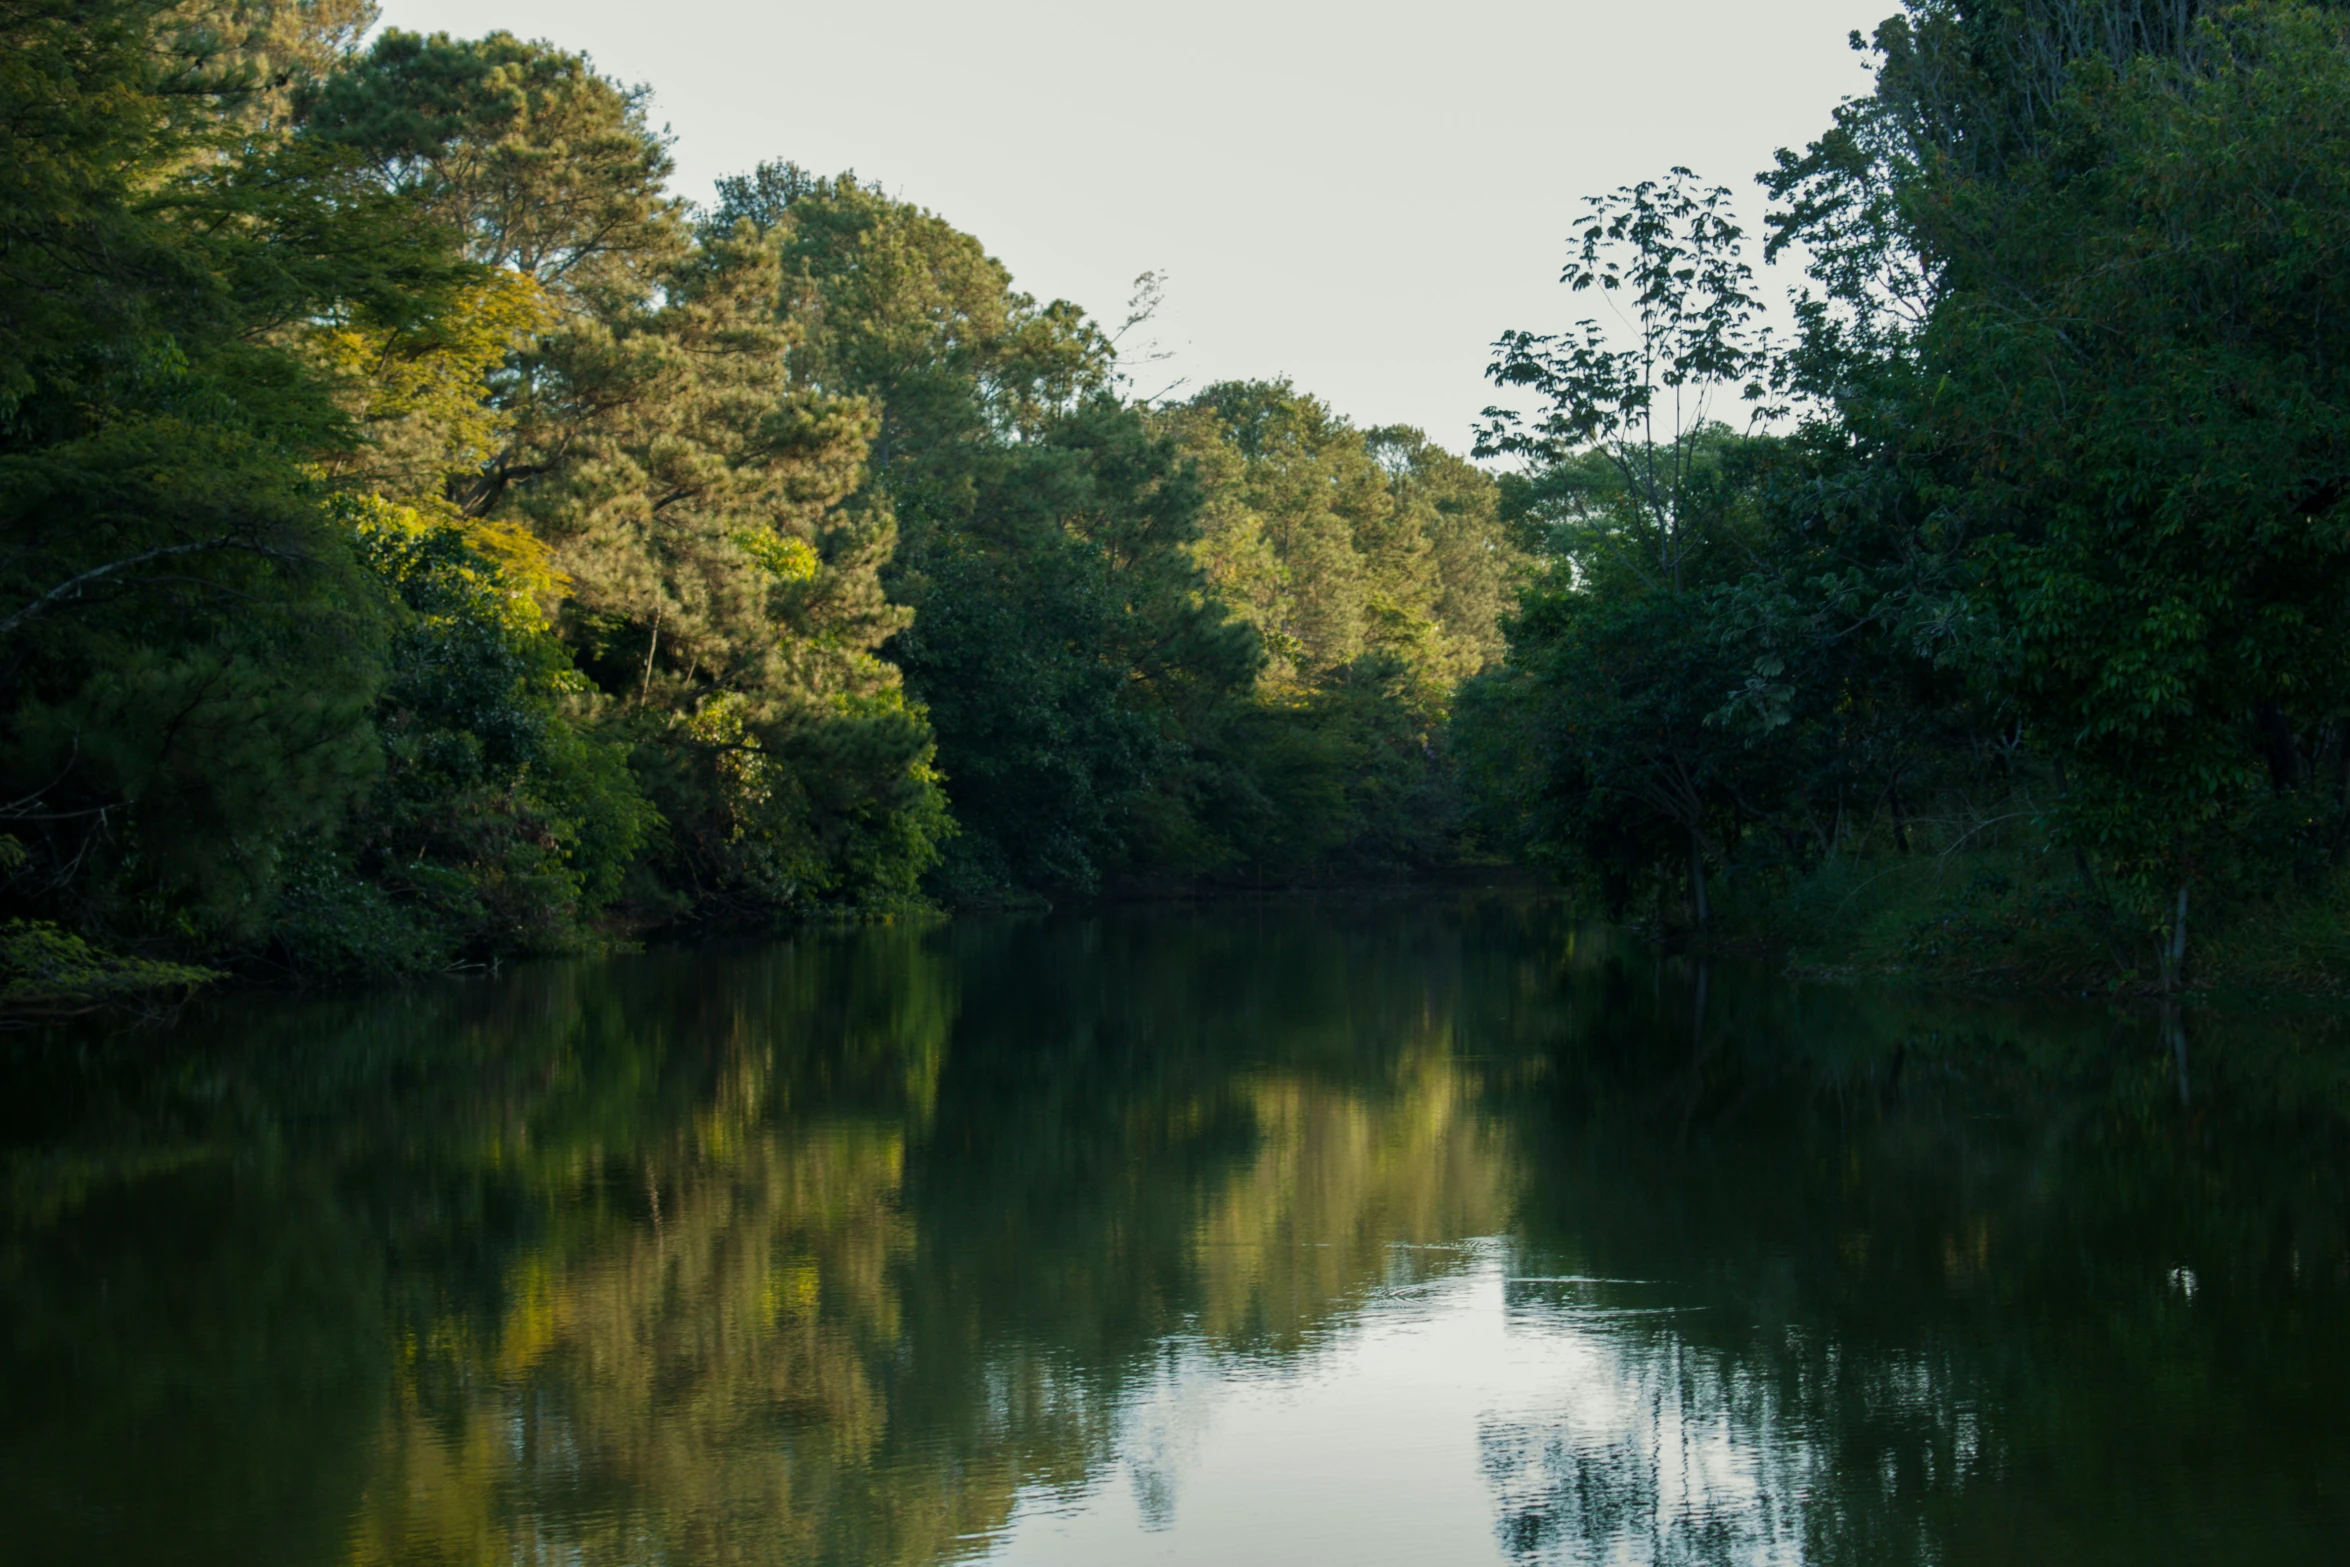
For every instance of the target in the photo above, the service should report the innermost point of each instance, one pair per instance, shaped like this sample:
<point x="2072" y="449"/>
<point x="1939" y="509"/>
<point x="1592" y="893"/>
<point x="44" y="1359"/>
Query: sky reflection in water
<point x="1395" y="1443"/>
<point x="1441" y="1231"/>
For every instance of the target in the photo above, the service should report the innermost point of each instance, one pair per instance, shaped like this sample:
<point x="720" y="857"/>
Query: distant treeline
<point x="427" y="538"/>
<point x="1999" y="618"/>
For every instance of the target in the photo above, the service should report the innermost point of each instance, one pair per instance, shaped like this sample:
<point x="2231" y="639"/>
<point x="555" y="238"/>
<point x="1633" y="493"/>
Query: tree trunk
<point x="2283" y="746"/>
<point x="651" y="648"/>
<point x="1697" y="902"/>
<point x="2341" y="796"/>
<point x="1705" y="974"/>
<point x="2174" y="959"/>
<point x="2175" y="1034"/>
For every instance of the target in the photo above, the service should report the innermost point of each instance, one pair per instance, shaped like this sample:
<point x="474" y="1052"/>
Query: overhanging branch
<point x="72" y="586"/>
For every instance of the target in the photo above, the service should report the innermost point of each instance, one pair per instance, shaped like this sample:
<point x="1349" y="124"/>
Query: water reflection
<point x="1429" y="1232"/>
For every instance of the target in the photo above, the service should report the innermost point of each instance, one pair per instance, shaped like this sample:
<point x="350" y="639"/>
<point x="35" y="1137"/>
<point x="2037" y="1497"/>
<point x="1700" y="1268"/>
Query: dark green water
<point x="1416" y="1233"/>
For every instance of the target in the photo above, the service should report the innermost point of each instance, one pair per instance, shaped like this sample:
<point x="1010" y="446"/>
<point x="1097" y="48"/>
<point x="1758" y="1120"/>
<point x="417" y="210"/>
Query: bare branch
<point x="71" y="587"/>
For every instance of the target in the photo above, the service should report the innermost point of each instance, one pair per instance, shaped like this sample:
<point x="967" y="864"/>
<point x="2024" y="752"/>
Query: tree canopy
<point x="431" y="537"/>
<point x="2044" y="555"/>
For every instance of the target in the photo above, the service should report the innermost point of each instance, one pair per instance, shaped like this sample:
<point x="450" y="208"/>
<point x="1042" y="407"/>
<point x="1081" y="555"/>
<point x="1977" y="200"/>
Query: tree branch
<point x="72" y="586"/>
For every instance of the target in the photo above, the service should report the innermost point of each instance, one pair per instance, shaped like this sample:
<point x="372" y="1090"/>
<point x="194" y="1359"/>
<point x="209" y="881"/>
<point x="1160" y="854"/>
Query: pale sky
<point x="1359" y="196"/>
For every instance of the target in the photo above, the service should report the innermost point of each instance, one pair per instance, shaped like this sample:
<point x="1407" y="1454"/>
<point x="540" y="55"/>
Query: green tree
<point x="1375" y="567"/>
<point x="503" y="823"/>
<point x="648" y="429"/>
<point x="1060" y="643"/>
<point x="2117" y="354"/>
<point x="1596" y="749"/>
<point x="192" y="646"/>
<point x="1640" y="402"/>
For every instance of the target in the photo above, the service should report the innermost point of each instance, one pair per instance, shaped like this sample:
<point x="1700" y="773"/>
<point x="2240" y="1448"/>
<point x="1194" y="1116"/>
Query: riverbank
<point x="2004" y="920"/>
<point x="2022" y="918"/>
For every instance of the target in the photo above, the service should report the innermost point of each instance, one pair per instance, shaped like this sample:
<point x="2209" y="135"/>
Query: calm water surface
<point x="1419" y="1233"/>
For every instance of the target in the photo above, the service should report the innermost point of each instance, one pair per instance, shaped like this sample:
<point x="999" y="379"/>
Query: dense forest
<point x="429" y="538"/>
<point x="1995" y="620"/>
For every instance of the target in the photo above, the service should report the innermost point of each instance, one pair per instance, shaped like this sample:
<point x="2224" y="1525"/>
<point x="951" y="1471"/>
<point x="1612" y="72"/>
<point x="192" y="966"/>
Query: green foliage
<point x="1600" y="748"/>
<point x="502" y="824"/>
<point x="2058" y="540"/>
<point x="1025" y="648"/>
<point x="1059" y="641"/>
<point x="1642" y="412"/>
<point x="191" y="645"/>
<point x="2163" y="502"/>
<point x="356" y="390"/>
<point x="1333" y="541"/>
<point x="1374" y="568"/>
<point x="1346" y="777"/>
<point x="429" y="539"/>
<point x="686" y="492"/>
<point x="45" y="969"/>
<point x="545" y="167"/>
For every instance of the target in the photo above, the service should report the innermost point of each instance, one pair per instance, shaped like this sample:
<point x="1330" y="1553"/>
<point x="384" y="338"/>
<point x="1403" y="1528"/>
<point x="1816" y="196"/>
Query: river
<point x="1416" y="1231"/>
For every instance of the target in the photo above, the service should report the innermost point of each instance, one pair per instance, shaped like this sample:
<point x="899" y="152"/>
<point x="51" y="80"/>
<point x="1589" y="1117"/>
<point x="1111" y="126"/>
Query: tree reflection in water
<point x="862" y="1249"/>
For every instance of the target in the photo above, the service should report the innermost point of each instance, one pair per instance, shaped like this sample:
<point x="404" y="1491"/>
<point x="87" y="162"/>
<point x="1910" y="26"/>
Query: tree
<point x="1374" y="567"/>
<point x="2124" y="383"/>
<point x="1305" y="535"/>
<point x="1647" y="409"/>
<point x="1059" y="640"/>
<point x="503" y="823"/>
<point x="1637" y="488"/>
<point x="688" y="488"/>
<point x="190" y="645"/>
